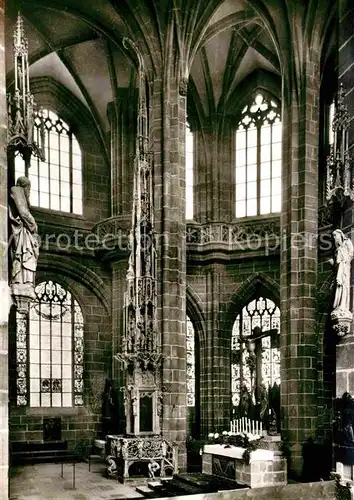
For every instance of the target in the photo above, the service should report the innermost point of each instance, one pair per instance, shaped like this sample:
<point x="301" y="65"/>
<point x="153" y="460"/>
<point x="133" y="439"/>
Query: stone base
<point x="345" y="471"/>
<point x="273" y="443"/>
<point x="342" y="320"/>
<point x="22" y="295"/>
<point x="265" y="467"/>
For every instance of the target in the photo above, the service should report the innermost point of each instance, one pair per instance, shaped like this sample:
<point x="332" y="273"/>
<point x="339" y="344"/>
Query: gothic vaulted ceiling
<point x="224" y="44"/>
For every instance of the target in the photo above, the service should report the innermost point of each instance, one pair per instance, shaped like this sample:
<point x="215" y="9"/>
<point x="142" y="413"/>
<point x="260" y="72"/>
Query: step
<point x="147" y="492"/>
<point x="160" y="488"/>
<point x="202" y="482"/>
<point x="155" y="485"/>
<point x="176" y="485"/>
<point x="224" y="484"/>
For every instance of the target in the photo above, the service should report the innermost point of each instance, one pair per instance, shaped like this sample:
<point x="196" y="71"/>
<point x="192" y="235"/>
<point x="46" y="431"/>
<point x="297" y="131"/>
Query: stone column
<point x="214" y="192"/>
<point x="4" y="290"/>
<point x="168" y="119"/>
<point x="215" y="377"/>
<point x="298" y="260"/>
<point x="122" y="117"/>
<point x="214" y="180"/>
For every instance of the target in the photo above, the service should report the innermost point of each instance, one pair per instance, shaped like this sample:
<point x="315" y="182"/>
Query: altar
<point x="265" y="467"/>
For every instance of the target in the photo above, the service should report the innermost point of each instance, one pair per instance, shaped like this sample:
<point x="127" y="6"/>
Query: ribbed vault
<point x="217" y="45"/>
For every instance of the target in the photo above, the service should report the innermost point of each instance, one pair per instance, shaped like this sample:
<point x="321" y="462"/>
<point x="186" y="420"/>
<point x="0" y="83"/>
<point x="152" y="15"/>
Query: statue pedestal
<point x="341" y="321"/>
<point x="22" y="295"/>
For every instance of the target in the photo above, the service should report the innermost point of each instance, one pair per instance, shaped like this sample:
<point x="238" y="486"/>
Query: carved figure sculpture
<point x="111" y="466"/>
<point x="153" y="467"/>
<point x="245" y="402"/>
<point x="24" y="238"/>
<point x="343" y="257"/>
<point x="263" y="401"/>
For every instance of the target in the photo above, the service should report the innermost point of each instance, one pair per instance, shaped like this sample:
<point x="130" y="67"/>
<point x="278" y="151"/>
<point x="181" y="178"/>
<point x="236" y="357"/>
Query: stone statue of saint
<point x="343" y="257"/>
<point x="24" y="245"/>
<point x="245" y="402"/>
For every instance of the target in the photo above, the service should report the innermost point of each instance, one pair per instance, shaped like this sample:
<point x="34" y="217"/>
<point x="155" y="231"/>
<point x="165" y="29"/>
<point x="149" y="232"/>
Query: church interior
<point x="177" y="187"/>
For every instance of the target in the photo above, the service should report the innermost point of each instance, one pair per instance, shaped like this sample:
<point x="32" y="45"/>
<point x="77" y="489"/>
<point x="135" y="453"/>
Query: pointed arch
<point x="195" y="313"/>
<point x="67" y="269"/>
<point x="253" y="287"/>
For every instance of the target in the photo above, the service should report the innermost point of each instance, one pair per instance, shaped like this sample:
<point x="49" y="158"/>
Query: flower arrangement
<point x="245" y="440"/>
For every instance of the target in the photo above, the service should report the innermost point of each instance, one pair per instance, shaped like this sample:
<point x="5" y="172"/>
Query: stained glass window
<point x="56" y="347"/>
<point x="258" y="158"/>
<point x="56" y="183"/>
<point x="190" y="348"/>
<point x="331" y="111"/>
<point x="189" y="172"/>
<point x="21" y="358"/>
<point x="262" y="313"/>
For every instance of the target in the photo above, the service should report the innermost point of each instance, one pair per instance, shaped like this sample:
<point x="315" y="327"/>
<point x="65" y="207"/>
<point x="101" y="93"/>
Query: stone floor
<point x="43" y="481"/>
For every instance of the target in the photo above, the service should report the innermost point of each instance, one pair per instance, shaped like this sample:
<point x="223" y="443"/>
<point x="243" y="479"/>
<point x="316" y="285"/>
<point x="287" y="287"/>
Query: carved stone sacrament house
<point x="141" y="347"/>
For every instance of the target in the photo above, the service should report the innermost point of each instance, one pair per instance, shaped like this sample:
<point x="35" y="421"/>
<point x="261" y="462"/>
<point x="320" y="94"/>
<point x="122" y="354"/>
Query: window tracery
<point x="258" y="158"/>
<point x="56" y="348"/>
<point x="56" y="183"/>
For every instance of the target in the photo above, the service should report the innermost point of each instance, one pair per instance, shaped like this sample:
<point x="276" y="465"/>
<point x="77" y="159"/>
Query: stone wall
<point x="95" y="156"/>
<point x="79" y="423"/>
<point x="220" y="290"/>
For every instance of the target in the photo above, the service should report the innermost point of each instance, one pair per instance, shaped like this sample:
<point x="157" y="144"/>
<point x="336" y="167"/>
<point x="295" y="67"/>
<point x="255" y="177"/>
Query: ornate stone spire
<point x="340" y="175"/>
<point x="141" y="347"/>
<point x="21" y="105"/>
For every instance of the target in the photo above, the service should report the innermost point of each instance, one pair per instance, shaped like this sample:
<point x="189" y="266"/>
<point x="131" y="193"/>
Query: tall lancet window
<point x="258" y="158"/>
<point x="56" y="348"/>
<point x="331" y="111"/>
<point x="247" y="372"/>
<point x="189" y="172"/>
<point x="190" y="352"/>
<point x="56" y="183"/>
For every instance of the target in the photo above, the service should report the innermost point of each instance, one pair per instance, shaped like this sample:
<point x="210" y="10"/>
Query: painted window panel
<point x="264" y="313"/>
<point x="330" y="122"/>
<point x="55" y="348"/>
<point x="190" y="355"/>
